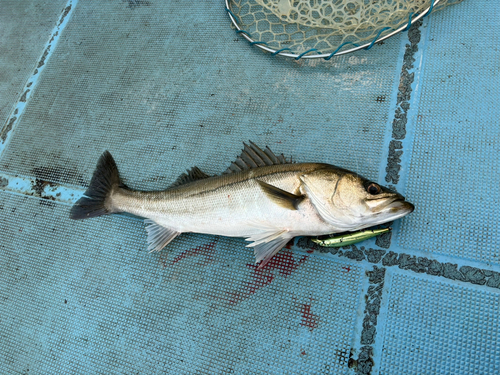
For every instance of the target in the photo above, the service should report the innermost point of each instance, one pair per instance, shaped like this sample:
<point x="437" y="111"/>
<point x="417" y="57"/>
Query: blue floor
<point x="165" y="86"/>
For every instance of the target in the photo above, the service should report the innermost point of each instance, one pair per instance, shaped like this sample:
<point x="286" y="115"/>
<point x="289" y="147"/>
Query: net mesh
<point x="324" y="25"/>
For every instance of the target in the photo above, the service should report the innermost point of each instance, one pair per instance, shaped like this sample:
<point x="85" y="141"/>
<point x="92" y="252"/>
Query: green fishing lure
<point x="347" y="239"/>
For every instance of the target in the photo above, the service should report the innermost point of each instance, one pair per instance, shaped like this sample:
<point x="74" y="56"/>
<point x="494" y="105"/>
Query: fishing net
<point x="325" y="26"/>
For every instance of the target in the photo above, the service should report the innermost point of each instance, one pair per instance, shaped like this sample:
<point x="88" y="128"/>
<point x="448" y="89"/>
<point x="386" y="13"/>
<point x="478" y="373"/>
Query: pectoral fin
<point x="158" y="236"/>
<point x="281" y="197"/>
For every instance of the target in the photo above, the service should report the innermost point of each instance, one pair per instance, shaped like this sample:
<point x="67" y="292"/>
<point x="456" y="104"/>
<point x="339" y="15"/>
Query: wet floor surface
<point x="165" y="86"/>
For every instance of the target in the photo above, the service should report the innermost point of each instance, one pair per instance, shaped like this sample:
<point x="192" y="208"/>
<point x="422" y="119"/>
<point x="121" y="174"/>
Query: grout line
<point x="378" y="344"/>
<point x="32" y="186"/>
<point x="399" y="134"/>
<point x="407" y="100"/>
<point x="13" y="119"/>
<point x="360" y="328"/>
<point x="364" y="362"/>
<point x="458" y="269"/>
<point x="417" y="70"/>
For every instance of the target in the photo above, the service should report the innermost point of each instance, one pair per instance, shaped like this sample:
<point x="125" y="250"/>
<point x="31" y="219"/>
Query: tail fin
<point x="95" y="202"/>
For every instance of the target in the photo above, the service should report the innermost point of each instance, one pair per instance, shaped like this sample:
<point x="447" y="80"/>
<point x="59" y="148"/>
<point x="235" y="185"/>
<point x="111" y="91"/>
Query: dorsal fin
<point x="252" y="157"/>
<point x="193" y="174"/>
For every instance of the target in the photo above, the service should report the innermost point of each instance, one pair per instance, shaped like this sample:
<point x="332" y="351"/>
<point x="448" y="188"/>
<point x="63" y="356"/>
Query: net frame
<point x="412" y="18"/>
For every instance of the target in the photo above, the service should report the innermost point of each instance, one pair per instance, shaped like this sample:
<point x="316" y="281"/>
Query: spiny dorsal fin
<point x="281" y="197"/>
<point x="252" y="157"/>
<point x="193" y="174"/>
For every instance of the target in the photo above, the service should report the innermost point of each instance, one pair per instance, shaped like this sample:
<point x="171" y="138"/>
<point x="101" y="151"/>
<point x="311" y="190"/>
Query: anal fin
<point x="158" y="236"/>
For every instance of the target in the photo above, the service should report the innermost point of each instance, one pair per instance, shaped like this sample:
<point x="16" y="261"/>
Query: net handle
<point x="337" y="52"/>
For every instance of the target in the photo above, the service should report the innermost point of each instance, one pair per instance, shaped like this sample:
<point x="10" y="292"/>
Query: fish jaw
<point x="395" y="212"/>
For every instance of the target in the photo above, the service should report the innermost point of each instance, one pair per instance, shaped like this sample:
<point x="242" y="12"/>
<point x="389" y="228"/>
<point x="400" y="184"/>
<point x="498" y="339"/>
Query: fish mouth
<point x="392" y="204"/>
<point x="400" y="207"/>
<point x="393" y="211"/>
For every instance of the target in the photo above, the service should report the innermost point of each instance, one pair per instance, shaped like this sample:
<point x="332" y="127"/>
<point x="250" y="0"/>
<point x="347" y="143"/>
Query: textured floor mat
<point x="454" y="179"/>
<point x="95" y="301"/>
<point x="23" y="34"/>
<point x="449" y="329"/>
<point x="161" y="97"/>
<point x="168" y="85"/>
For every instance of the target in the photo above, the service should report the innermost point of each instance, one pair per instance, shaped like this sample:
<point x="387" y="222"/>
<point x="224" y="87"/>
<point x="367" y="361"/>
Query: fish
<point x="264" y="198"/>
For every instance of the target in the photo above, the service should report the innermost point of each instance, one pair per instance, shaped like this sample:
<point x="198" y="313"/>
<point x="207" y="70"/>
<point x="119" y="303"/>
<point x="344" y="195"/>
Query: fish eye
<point x="373" y="189"/>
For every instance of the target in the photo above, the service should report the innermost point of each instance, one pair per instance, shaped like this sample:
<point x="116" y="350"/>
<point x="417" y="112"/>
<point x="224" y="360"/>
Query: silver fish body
<point x="267" y="204"/>
<point x="233" y="205"/>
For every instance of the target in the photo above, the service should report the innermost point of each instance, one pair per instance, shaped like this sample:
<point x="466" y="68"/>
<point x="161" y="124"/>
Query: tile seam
<point x="27" y="91"/>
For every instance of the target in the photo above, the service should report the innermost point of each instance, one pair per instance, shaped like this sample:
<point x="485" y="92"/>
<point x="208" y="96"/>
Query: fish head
<point x="351" y="202"/>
